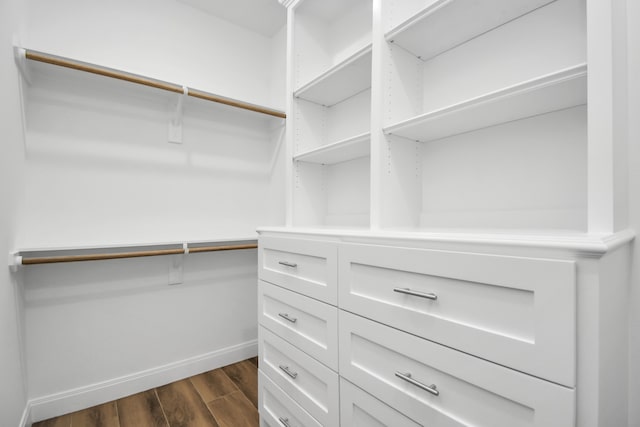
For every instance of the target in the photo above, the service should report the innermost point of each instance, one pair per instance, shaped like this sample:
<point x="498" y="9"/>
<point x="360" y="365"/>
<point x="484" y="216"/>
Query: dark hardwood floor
<point x="225" y="397"/>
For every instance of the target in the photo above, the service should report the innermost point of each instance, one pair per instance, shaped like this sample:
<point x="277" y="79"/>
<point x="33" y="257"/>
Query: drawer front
<point x="518" y="312"/>
<point x="310" y="325"/>
<point x="438" y="386"/>
<point x="279" y="410"/>
<point x="358" y="408"/>
<point x="305" y="266"/>
<point x="310" y="383"/>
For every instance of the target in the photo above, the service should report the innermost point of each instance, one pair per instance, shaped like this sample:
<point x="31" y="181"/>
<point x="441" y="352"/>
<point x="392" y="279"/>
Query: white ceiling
<point x="265" y="17"/>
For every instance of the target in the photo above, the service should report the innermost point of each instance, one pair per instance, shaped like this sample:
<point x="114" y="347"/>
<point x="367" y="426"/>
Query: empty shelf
<point x="443" y="25"/>
<point x="341" y="151"/>
<point x="340" y="82"/>
<point x="563" y="89"/>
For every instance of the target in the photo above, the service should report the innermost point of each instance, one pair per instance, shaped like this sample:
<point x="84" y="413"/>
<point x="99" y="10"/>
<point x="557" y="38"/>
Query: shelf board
<point x="341" y="151"/>
<point x="564" y="89"/>
<point x="342" y="81"/>
<point x="449" y="23"/>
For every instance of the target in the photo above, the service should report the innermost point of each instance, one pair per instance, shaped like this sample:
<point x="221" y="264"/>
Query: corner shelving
<point x="557" y="91"/>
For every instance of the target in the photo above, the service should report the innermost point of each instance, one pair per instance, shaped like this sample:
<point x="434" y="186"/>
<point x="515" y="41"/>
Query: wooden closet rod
<point x="26" y="260"/>
<point x="146" y="81"/>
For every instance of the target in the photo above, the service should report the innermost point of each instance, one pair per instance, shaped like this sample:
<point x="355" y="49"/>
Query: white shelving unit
<point x="486" y="127"/>
<point x="488" y="131"/>
<point x="331" y="109"/>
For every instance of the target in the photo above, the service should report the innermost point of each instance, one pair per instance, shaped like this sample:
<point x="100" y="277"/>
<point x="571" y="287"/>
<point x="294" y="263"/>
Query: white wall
<point x="99" y="171"/>
<point x="633" y="17"/>
<point x="12" y="390"/>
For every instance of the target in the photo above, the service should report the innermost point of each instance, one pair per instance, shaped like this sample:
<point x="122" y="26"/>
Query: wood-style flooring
<point x="224" y="397"/>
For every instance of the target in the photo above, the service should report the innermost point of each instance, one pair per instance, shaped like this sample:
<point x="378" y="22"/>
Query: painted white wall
<point x="12" y="386"/>
<point x="633" y="17"/>
<point x="99" y="170"/>
<point x="97" y="331"/>
<point x="164" y="39"/>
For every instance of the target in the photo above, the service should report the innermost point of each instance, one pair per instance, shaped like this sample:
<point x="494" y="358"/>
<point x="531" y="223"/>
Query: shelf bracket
<point x="175" y="124"/>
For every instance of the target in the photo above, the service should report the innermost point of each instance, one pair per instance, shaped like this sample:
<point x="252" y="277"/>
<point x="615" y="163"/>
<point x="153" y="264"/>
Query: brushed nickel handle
<point x="430" y="388"/>
<point x="288" y="264"/>
<point x="408" y="291"/>
<point x="286" y="316"/>
<point x="284" y="421"/>
<point x="287" y="371"/>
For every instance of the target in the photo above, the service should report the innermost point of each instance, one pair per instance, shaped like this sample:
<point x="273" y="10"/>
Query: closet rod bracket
<point x="175" y="124"/>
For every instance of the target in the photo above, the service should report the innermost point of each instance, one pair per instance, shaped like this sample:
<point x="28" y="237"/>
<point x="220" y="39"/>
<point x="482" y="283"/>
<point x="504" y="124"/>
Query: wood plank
<point x="245" y="375"/>
<point x="254" y="360"/>
<point x="183" y="406"/>
<point x="213" y="385"/>
<point x="141" y="410"/>
<point x="235" y="410"/>
<point x="105" y="415"/>
<point x="61" y="421"/>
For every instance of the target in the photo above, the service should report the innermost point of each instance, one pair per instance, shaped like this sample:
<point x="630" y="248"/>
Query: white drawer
<point x="308" y="324"/>
<point x="310" y="383"/>
<point x="279" y="410"/>
<point x="518" y="312"/>
<point x="472" y="391"/>
<point x="305" y="266"/>
<point x="359" y="408"/>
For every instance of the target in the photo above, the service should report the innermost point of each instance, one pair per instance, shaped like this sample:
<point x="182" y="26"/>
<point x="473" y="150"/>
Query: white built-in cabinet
<point x="456" y="251"/>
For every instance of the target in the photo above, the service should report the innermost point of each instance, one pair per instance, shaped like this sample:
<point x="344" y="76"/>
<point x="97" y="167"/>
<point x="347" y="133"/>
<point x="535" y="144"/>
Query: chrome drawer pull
<point x="408" y="291"/>
<point x="286" y="316"/>
<point x="430" y="388"/>
<point x="288" y="264"/>
<point x="287" y="371"/>
<point x="284" y="421"/>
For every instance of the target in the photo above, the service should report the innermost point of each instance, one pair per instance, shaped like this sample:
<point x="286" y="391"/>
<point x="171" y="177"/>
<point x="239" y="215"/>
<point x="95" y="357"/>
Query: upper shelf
<point x="563" y="89"/>
<point x="342" y="81"/>
<point x="25" y="54"/>
<point x="442" y="25"/>
<point x="341" y="151"/>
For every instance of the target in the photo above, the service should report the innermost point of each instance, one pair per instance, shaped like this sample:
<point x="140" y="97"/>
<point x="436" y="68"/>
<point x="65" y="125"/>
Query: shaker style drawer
<point x="279" y="410"/>
<point x="310" y="325"/>
<point x="438" y="386"/>
<point x="305" y="266"/>
<point x="310" y="383"/>
<point x="517" y="312"/>
<point x="359" y="408"/>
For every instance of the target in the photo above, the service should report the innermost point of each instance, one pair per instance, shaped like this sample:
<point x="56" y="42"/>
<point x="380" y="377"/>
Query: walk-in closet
<point x="306" y="213"/>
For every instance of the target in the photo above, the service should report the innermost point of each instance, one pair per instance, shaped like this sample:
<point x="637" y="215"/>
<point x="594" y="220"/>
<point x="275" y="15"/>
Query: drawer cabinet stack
<point x="377" y="335"/>
<point x="298" y="333"/>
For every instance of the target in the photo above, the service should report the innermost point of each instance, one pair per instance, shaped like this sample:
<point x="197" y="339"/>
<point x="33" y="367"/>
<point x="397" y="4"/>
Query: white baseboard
<point x="42" y="408"/>
<point x="25" y="421"/>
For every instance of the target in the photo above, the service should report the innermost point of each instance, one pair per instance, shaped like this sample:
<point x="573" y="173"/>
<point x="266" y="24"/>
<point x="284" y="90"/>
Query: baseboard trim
<point x="25" y="421"/>
<point x="42" y="408"/>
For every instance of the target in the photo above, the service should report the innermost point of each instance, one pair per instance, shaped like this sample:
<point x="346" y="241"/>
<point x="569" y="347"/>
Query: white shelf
<point x="563" y="89"/>
<point x="342" y="81"/>
<point x="341" y="151"/>
<point x="447" y="24"/>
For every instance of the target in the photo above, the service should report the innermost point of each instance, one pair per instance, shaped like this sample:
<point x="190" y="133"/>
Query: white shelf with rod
<point x="22" y="55"/>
